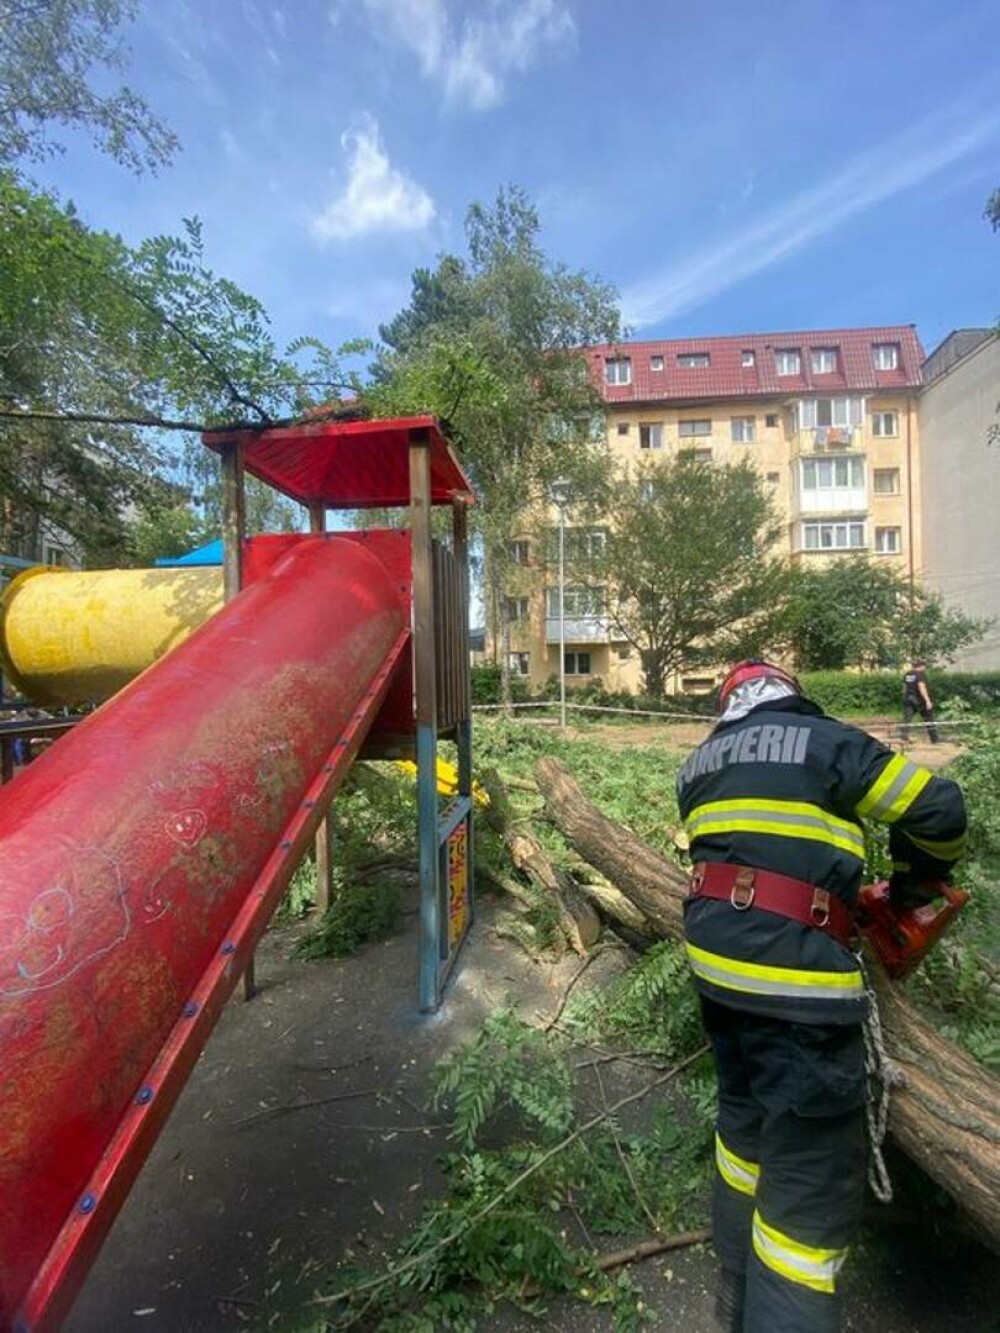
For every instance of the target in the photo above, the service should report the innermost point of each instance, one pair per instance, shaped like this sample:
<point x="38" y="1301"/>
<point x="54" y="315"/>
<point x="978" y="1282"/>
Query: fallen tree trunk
<point x="579" y="924"/>
<point x="947" y="1115"/>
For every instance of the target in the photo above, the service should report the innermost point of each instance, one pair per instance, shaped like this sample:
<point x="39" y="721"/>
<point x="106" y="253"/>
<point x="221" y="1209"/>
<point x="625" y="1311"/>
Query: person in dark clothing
<point x="772" y="804"/>
<point x="917" y="699"/>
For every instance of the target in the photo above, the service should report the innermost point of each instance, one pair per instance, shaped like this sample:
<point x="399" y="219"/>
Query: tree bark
<point x="579" y="923"/>
<point x="947" y="1115"/>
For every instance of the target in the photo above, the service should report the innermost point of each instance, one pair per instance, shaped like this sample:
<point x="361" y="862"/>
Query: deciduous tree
<point x="688" y="563"/>
<point x="53" y="54"/>
<point x="858" y="612"/>
<point x="492" y="344"/>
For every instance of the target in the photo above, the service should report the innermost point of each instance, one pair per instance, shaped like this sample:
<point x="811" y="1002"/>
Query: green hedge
<point x="844" y="693"/>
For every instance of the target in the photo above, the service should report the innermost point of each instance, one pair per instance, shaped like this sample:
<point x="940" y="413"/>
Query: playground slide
<point x="140" y="860"/>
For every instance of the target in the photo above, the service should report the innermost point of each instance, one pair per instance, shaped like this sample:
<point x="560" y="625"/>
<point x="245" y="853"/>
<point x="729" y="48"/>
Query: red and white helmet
<point x="753" y="668"/>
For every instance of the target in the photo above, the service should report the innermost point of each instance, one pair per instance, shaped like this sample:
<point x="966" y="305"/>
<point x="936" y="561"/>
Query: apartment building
<point x="960" y="472"/>
<point x="828" y="417"/>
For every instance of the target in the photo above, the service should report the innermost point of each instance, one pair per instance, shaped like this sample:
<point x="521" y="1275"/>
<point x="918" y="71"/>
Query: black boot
<point x="729" y="1300"/>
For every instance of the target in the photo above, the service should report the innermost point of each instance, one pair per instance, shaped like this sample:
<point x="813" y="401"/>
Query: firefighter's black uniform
<point x="783" y="789"/>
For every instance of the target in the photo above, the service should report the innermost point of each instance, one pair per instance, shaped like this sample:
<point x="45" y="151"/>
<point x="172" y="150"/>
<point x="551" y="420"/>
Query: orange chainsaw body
<point x="901" y="936"/>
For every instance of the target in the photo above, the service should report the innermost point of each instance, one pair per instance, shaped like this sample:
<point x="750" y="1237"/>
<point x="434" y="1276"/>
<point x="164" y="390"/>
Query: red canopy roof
<point x="349" y="464"/>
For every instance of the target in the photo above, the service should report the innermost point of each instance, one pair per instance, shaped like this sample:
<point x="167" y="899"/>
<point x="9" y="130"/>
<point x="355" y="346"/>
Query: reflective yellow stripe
<point x="756" y="979"/>
<point x="893" y="791"/>
<point x="944" y="851"/>
<point x="805" y="1264"/>
<point x="737" y="1172"/>
<point x="781" y="819"/>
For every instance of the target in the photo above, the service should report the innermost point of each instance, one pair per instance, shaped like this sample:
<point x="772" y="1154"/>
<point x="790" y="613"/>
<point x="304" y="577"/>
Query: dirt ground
<point x="244" y="1203"/>
<point x="683" y="736"/>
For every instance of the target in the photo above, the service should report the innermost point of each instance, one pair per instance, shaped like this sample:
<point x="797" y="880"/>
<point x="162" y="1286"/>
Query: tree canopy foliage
<point x="856" y="612"/>
<point x="687" y="564"/>
<point x="98" y="339"/>
<point x="50" y="53"/>
<point x="491" y="344"/>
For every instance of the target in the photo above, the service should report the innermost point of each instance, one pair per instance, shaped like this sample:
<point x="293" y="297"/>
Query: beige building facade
<point x="830" y="420"/>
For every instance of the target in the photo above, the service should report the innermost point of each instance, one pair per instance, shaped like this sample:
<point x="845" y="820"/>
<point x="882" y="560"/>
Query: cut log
<point x="612" y="904"/>
<point x="947" y="1115"/>
<point x="579" y="923"/>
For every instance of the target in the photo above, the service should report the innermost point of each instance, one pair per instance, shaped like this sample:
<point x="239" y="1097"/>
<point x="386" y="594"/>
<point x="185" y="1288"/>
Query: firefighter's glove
<point x="906" y="893"/>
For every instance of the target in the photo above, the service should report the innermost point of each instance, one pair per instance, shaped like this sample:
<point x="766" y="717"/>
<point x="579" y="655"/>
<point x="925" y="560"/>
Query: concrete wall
<point x="960" y="477"/>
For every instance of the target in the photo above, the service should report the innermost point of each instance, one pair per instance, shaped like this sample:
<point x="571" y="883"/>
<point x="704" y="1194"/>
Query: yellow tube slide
<point x="69" y="637"/>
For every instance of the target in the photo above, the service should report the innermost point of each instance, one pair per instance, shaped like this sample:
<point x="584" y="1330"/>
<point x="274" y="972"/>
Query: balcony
<point x="579" y="629"/>
<point x="825" y="439"/>
<point x="834" y="500"/>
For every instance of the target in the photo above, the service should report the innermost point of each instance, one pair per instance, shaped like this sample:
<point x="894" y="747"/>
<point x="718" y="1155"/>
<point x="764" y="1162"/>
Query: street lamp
<point x="560" y="498"/>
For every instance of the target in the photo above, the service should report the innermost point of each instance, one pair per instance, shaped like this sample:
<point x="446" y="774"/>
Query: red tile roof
<point x="726" y="377"/>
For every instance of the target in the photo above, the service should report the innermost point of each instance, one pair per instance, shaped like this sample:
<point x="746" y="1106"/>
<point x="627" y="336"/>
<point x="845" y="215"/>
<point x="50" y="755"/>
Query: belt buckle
<point x="697" y="880"/>
<point x="819" y="909"/>
<point x="742" y="894"/>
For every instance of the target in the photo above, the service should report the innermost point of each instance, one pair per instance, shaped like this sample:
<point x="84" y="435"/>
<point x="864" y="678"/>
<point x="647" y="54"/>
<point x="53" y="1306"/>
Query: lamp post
<point x="560" y="498"/>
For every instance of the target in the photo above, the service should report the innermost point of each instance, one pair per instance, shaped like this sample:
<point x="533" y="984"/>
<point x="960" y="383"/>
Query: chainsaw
<point x="901" y="936"/>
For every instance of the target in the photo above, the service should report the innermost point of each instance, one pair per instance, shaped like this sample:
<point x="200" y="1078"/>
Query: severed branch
<point x="416" y="1260"/>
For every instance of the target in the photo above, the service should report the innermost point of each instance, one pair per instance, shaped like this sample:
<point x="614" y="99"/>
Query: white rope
<point x="888" y="1075"/>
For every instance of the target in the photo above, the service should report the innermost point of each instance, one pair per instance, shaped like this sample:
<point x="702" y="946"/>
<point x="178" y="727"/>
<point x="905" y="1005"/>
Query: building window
<point x="580" y="544"/>
<point x="517" y="608"/>
<point x="773" y="478"/>
<point x="832" y="474"/>
<point x="839" y="413"/>
<point x="833" y="536"/>
<point x="787" y="361"/>
<point x="646" y="490"/>
<point x="771" y="420"/>
<point x="623" y="428"/>
<point x="744" y="430"/>
<point x="888" y="541"/>
<point x="693" y="360"/>
<point x="823" y="360"/>
<point x="885" y="423"/>
<point x="747" y="358"/>
<point x="519" y="552"/>
<point x="701" y="426"/>
<point x="55" y="555"/>
<point x="656" y="363"/>
<point x="618" y="370"/>
<point x="577" y="664"/>
<point x="885" y="481"/>
<point x="695" y="455"/>
<point x="651" y="435"/>
<point x="885" y="355"/>
<point x="519" y="664"/>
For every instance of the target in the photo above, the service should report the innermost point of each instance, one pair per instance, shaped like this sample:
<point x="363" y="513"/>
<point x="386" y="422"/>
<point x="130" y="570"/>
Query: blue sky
<point x="729" y="167"/>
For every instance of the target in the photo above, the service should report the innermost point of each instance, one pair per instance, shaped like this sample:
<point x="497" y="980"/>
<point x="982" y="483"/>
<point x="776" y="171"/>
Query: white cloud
<point x="865" y="181"/>
<point x="231" y="145"/>
<point x="473" y="55"/>
<point x="376" y="196"/>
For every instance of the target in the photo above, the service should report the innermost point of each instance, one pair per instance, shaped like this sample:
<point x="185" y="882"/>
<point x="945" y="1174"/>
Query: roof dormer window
<point x="787" y="361"/>
<point x="618" y="370"/>
<point x="885" y="355"/>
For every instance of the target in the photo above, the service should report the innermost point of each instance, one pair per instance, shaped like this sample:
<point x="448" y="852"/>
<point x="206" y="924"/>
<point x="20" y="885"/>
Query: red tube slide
<point x="140" y="859"/>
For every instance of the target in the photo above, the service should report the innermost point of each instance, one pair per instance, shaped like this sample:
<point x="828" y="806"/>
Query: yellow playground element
<point x="447" y="779"/>
<point x="68" y="637"/>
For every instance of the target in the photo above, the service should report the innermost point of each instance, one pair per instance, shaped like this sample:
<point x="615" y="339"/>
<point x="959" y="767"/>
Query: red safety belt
<point x="745" y="887"/>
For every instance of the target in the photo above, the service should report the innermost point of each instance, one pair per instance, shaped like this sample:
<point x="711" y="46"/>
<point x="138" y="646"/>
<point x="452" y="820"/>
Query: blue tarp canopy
<point x="211" y="554"/>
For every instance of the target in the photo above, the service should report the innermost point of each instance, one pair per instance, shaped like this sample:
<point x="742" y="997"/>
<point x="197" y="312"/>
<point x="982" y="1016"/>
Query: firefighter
<point x="772" y="803"/>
